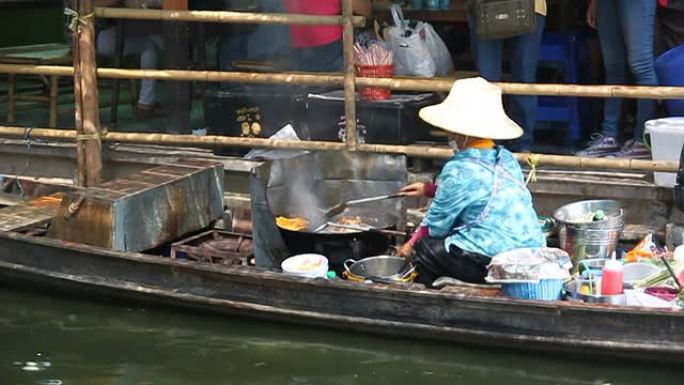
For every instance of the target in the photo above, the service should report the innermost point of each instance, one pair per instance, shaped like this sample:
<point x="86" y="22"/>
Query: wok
<point x="338" y="247"/>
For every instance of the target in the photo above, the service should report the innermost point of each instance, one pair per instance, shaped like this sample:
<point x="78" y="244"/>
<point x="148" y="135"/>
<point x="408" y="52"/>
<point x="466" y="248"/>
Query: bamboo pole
<point x="400" y="84"/>
<point x="223" y="17"/>
<point x="349" y="75"/>
<point x="410" y="150"/>
<point x="87" y="98"/>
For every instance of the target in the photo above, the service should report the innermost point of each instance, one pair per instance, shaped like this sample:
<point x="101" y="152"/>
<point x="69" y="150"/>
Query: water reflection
<point x="53" y="341"/>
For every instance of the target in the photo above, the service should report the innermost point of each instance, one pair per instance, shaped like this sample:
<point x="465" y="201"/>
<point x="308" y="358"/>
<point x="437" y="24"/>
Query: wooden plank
<point x="87" y="104"/>
<point x="30" y="213"/>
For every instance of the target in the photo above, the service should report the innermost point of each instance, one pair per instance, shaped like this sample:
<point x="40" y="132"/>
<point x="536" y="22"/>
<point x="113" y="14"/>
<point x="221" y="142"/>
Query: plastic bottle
<point x="613" y="277"/>
<point x="599" y="215"/>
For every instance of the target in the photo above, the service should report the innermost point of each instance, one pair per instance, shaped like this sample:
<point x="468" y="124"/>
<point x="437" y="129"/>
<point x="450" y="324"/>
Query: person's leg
<point x="615" y="64"/>
<point x="524" y="70"/>
<point x="326" y="58"/>
<point x="638" y="18"/>
<point x="148" y="60"/>
<point x="433" y="261"/>
<point x="487" y="54"/>
<point x="105" y="44"/>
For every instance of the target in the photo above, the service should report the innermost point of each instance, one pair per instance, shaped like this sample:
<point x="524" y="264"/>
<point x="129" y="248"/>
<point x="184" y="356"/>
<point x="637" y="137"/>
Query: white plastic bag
<point x="444" y="65"/>
<point x="412" y="57"/>
<point x="286" y="133"/>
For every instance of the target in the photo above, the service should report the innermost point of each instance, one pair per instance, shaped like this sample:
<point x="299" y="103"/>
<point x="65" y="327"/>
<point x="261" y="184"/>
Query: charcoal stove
<point x="216" y="247"/>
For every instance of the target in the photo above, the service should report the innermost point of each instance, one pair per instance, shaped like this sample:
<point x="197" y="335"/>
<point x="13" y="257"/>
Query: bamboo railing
<point x="416" y="151"/>
<point x="347" y="79"/>
<point x="398" y="84"/>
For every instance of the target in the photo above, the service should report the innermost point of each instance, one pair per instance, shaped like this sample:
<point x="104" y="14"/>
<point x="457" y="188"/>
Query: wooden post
<point x="349" y="74"/>
<point x="177" y="50"/>
<point x="89" y="145"/>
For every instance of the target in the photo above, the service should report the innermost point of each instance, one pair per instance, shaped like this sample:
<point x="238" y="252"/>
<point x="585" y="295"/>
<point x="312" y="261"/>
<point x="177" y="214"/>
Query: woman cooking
<point x="481" y="205"/>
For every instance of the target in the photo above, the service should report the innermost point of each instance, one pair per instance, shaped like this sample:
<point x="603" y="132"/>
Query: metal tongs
<point x="339" y="208"/>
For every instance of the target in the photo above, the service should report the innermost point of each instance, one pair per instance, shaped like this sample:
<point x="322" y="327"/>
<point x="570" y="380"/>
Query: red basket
<point x="374" y="71"/>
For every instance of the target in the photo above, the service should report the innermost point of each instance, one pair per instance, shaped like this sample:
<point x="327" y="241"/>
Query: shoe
<point x="143" y="111"/>
<point x="600" y="145"/>
<point x="634" y="150"/>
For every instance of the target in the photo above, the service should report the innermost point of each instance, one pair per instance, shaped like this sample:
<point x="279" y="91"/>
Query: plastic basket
<point x="374" y="71"/>
<point x="544" y="290"/>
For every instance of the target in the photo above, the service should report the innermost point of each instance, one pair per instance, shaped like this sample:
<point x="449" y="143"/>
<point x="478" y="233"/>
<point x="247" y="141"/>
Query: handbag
<point x="500" y="19"/>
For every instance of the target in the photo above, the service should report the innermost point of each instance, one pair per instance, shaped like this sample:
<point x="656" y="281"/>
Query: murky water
<point x="48" y="340"/>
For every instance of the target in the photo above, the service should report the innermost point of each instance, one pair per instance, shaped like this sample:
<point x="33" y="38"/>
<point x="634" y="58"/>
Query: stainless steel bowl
<point x="382" y="266"/>
<point x="572" y="294"/>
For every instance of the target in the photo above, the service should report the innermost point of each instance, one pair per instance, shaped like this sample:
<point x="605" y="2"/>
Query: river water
<point x="46" y="340"/>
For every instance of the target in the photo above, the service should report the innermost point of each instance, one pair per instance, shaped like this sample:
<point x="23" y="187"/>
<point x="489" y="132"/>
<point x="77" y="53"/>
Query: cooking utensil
<point x="360" y="228"/>
<point x="672" y="273"/>
<point x="383" y="266"/>
<point x="339" y="208"/>
<point x="572" y="293"/>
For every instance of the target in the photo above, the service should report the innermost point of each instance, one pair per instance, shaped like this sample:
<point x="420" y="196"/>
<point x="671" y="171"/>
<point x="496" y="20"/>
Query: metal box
<point x="144" y="210"/>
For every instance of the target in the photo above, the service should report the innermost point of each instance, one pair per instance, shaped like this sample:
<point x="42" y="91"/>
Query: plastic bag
<point x="444" y="65"/>
<point x="285" y="133"/>
<point x="529" y="265"/>
<point x="647" y="249"/>
<point x="412" y="57"/>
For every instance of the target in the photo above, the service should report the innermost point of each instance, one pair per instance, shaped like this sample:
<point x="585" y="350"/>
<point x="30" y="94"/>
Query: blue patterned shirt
<point x="465" y="186"/>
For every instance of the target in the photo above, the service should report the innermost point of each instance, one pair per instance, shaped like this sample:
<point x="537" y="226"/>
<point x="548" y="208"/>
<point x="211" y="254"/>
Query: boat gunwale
<point x="251" y="272"/>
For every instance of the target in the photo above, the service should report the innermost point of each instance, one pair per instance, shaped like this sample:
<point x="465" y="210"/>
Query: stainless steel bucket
<point x="592" y="239"/>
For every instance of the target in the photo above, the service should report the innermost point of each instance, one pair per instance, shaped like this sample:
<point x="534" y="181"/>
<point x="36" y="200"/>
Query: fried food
<point x="350" y="221"/>
<point x="292" y="224"/>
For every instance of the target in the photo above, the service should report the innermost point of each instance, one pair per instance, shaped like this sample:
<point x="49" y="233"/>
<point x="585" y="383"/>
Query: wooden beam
<point x="418" y="151"/>
<point x="349" y="74"/>
<point x="399" y="83"/>
<point x="86" y="97"/>
<point x="172" y="14"/>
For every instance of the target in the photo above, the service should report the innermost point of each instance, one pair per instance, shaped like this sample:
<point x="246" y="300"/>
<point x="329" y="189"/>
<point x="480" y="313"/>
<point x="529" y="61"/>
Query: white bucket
<point x="306" y="265"/>
<point x="667" y="138"/>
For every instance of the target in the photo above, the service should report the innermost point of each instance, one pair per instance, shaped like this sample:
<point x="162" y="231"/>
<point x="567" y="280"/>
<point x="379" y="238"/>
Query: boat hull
<point x="412" y="311"/>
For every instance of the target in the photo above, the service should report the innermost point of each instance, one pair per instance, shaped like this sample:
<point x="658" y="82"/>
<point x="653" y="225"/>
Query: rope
<point x="532" y="161"/>
<point x="96" y="136"/>
<point x="76" y="20"/>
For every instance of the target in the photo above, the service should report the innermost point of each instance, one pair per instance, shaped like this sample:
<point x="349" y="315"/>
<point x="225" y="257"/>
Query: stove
<point x="216" y="247"/>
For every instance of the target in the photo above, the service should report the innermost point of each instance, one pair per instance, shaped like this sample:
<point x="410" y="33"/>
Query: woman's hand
<point x="405" y="250"/>
<point x="591" y="14"/>
<point x="414" y="190"/>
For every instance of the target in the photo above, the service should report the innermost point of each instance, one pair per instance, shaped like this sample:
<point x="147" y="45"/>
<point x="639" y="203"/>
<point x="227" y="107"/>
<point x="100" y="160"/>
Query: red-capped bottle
<point x="613" y="277"/>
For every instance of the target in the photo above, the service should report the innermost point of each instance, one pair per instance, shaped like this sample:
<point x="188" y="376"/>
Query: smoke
<point x="304" y="201"/>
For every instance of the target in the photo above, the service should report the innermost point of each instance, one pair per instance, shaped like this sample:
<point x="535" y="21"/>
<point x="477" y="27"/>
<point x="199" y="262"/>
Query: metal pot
<point x="592" y="239"/>
<point x="380" y="268"/>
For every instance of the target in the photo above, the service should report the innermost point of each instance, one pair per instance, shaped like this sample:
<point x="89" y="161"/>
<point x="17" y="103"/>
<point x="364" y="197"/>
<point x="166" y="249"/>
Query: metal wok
<point x="340" y="246"/>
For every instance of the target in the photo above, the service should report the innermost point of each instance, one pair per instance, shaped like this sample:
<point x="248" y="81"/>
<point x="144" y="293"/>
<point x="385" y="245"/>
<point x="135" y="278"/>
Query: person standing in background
<point x="145" y="45"/>
<point x="525" y="50"/>
<point x="669" y="25"/>
<point x="318" y="48"/>
<point x="625" y="30"/>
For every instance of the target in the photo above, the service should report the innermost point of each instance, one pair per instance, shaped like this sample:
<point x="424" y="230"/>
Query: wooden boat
<point x="471" y="316"/>
<point x="455" y="314"/>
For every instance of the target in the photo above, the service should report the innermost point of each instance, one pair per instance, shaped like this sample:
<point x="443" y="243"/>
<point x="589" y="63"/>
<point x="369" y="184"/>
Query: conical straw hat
<point x="473" y="108"/>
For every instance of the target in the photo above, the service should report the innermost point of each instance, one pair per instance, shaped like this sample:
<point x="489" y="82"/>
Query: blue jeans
<point x="488" y="58"/>
<point x="323" y="58"/>
<point x="626" y="32"/>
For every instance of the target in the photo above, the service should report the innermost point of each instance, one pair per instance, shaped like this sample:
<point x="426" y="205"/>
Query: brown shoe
<point x="143" y="111"/>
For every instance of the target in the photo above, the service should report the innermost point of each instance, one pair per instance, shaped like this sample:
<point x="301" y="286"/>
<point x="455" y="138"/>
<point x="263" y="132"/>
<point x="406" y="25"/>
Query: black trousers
<point x="433" y="260"/>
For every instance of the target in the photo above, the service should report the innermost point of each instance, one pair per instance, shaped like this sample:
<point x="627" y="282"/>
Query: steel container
<point x="591" y="239"/>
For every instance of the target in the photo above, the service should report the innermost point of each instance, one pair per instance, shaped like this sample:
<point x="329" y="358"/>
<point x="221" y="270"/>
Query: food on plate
<point x="292" y="224"/>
